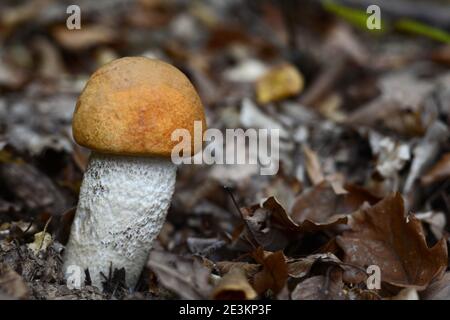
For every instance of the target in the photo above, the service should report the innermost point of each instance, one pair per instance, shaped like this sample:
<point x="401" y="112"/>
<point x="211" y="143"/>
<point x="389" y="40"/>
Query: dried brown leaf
<point x="261" y="231"/>
<point x="280" y="217"/>
<point x="268" y="225"/>
<point x="382" y="235"/>
<point x="274" y="274"/>
<point x="321" y="205"/>
<point x="300" y="268"/>
<point x="329" y="287"/>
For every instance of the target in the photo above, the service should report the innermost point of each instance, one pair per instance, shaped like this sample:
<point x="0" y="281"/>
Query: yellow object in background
<point x="279" y="83"/>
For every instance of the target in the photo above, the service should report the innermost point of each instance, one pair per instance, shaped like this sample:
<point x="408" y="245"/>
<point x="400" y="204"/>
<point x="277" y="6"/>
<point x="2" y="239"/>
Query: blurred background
<point x="362" y="113"/>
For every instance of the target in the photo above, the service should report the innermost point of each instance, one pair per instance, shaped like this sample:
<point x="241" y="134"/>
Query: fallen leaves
<point x="323" y="206"/>
<point x="12" y="284"/>
<point x="269" y="226"/>
<point x="274" y="274"/>
<point x="260" y="231"/>
<point x="320" y="288"/>
<point x="357" y="229"/>
<point x="400" y="107"/>
<point x="45" y="268"/>
<point x="41" y="241"/>
<point x="425" y="152"/>
<point x="279" y="83"/>
<point x="302" y="267"/>
<point x="281" y="217"/>
<point x="383" y="235"/>
<point x="188" y="277"/>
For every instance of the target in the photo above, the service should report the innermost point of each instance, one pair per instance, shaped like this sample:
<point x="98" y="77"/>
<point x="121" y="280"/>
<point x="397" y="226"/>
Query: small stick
<point x="228" y="190"/>
<point x="45" y="230"/>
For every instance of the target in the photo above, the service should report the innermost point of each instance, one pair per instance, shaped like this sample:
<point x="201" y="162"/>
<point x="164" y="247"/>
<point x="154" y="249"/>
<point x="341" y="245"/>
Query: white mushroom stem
<point x="122" y="206"/>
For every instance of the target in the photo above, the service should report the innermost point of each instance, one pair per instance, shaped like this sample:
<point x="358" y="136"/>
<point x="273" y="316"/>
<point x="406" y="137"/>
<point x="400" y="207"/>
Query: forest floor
<point x="364" y="150"/>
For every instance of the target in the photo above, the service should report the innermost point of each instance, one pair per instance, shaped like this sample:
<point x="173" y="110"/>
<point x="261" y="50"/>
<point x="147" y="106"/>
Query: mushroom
<point x="126" y="115"/>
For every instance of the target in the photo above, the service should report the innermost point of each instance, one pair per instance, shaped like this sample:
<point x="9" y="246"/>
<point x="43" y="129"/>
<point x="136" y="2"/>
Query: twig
<point x="233" y="199"/>
<point x="253" y="241"/>
<point x="45" y="230"/>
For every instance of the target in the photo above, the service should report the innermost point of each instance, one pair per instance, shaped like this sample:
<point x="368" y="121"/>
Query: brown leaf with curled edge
<point x="234" y="286"/>
<point x="280" y="217"/>
<point x="268" y="225"/>
<point x="260" y="231"/>
<point x="320" y="205"/>
<point x="328" y="287"/>
<point x="274" y="274"/>
<point x="301" y="267"/>
<point x="382" y="235"/>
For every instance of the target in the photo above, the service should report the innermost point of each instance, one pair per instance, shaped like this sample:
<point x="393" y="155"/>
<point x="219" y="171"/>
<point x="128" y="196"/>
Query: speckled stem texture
<point x="122" y="206"/>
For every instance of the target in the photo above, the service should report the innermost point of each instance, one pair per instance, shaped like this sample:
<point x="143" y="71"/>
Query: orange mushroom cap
<point x="132" y="105"/>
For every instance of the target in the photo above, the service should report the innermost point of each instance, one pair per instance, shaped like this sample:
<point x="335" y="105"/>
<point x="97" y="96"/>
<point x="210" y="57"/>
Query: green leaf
<point x="419" y="28"/>
<point x="356" y="17"/>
